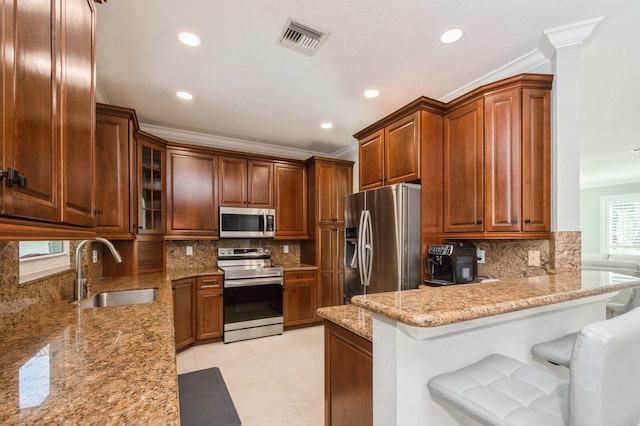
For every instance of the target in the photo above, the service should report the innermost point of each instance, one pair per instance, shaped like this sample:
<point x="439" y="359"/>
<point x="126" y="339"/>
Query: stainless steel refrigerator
<point x="382" y="240"/>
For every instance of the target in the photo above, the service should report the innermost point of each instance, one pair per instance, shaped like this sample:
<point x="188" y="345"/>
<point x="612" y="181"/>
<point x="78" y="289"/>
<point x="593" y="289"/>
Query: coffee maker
<point x="454" y="262"/>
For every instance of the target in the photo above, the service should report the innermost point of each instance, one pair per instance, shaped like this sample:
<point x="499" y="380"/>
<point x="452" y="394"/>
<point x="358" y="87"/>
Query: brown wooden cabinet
<point x="290" y="200"/>
<point x="245" y="183"/>
<point x="329" y="181"/>
<point x="497" y="162"/>
<point x="348" y="381"/>
<point x="114" y="183"/>
<point x="209" y="307"/>
<point x="299" y="298"/>
<point x="391" y="155"/>
<point x="463" y="170"/>
<point x="192" y="182"/>
<point x="47" y="110"/>
<point x="184" y="312"/>
<point x="151" y="183"/>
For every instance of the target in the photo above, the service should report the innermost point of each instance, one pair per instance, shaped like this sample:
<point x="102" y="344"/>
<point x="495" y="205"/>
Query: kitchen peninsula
<point x="418" y="334"/>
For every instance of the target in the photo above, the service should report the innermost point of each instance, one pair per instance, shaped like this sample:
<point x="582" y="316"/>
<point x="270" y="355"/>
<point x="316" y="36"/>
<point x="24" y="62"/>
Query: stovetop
<point x="247" y="263"/>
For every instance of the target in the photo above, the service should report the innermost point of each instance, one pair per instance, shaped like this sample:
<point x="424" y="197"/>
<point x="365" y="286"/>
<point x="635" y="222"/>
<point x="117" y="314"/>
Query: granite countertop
<point x="435" y="306"/>
<point x="297" y="267"/>
<point x="350" y="317"/>
<point x="113" y="365"/>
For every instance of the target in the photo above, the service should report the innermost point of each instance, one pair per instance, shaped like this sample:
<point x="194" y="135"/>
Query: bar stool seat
<point x="603" y="390"/>
<point x="556" y="351"/>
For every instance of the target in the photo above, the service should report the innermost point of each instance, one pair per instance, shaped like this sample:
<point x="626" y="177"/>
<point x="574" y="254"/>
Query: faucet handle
<point x="87" y="286"/>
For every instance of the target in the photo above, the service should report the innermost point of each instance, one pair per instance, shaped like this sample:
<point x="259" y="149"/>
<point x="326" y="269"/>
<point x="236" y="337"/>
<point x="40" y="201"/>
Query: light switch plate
<point x="285" y="249"/>
<point x="534" y="258"/>
<point x="189" y="250"/>
<point x="480" y="255"/>
<point x="94" y="256"/>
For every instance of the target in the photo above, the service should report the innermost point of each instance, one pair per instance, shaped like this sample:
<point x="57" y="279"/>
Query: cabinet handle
<point x="527" y="221"/>
<point x="478" y="222"/>
<point x="514" y="221"/>
<point x="13" y="177"/>
<point x="97" y="212"/>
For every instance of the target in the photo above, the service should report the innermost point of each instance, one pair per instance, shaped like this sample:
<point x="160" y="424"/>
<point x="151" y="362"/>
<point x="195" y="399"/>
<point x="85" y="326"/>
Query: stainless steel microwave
<point x="244" y="222"/>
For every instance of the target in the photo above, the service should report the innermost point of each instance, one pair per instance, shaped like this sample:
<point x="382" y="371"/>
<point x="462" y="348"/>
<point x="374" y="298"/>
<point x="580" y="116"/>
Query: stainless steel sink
<point x="117" y="298"/>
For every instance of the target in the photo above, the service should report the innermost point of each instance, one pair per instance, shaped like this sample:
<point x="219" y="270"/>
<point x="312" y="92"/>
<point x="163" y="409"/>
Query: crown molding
<point x="524" y="63"/>
<point x="223" y="142"/>
<point x="347" y="153"/>
<point x="572" y="34"/>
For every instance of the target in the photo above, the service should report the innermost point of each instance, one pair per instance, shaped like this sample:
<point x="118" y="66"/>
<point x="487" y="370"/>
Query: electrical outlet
<point x="480" y="255"/>
<point x="534" y="258"/>
<point x="189" y="250"/>
<point x="94" y="256"/>
<point x="285" y="249"/>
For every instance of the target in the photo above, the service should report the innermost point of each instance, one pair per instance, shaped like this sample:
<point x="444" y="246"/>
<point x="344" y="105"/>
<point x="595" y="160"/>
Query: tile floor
<point x="275" y="380"/>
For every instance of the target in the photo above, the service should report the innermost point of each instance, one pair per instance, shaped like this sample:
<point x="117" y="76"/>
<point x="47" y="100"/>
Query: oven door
<point x="252" y="309"/>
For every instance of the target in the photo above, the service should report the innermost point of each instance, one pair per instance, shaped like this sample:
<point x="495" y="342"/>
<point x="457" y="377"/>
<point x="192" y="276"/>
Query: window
<point x="621" y="224"/>
<point x="41" y="258"/>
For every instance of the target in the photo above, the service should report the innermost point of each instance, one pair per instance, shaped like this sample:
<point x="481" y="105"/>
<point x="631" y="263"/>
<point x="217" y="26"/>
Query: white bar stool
<point x="603" y="388"/>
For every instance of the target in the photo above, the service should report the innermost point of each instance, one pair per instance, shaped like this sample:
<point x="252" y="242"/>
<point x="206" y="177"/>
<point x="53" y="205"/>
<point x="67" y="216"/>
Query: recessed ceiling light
<point x="452" y="35"/>
<point x="371" y="93"/>
<point x="184" y="95"/>
<point x="326" y="125"/>
<point x="190" y="39"/>
<point x="635" y="151"/>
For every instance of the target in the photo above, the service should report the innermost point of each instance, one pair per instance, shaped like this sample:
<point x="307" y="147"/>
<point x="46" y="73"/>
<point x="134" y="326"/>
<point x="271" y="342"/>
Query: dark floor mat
<point x="205" y="400"/>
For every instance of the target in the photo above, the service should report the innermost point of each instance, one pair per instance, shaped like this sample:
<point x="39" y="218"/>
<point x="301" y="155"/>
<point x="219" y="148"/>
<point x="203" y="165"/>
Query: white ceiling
<point x="249" y="91"/>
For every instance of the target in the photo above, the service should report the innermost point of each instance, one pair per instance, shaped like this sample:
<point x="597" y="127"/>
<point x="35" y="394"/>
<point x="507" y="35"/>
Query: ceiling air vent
<point x="302" y="38"/>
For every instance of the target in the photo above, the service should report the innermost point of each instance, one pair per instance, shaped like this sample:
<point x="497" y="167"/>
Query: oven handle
<point x="252" y="282"/>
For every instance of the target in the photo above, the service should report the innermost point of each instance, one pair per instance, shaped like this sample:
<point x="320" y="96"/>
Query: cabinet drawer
<point x="292" y="276"/>
<point x="212" y="281"/>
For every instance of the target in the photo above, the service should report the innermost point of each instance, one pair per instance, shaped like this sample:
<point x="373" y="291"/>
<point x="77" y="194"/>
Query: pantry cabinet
<point x="209" y="307"/>
<point x="48" y="116"/>
<point x="245" y="183"/>
<point x="299" y="298"/>
<point x="329" y="181"/>
<point x="192" y="183"/>
<point x="290" y="182"/>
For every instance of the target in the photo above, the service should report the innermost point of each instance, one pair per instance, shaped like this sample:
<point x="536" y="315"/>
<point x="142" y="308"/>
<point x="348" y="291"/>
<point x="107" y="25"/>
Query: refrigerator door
<point x="353" y="215"/>
<point x="411" y="265"/>
<point x="383" y="205"/>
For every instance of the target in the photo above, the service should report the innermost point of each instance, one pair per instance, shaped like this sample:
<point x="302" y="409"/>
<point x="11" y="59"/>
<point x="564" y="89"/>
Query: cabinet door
<point x="536" y="160"/>
<point x="191" y="196"/>
<point x="402" y="150"/>
<point x="463" y="174"/>
<point x="300" y="298"/>
<point x="151" y="163"/>
<point x="371" y="158"/>
<point x="502" y="161"/>
<point x="77" y="112"/>
<point x="233" y="182"/>
<point x="209" y="313"/>
<point x="184" y="319"/>
<point x="30" y="132"/>
<point x="113" y="138"/>
<point x="291" y="200"/>
<point x="348" y="366"/>
<point x="343" y="185"/>
<point x="326" y="192"/>
<point x="260" y="184"/>
<point x="330" y="268"/>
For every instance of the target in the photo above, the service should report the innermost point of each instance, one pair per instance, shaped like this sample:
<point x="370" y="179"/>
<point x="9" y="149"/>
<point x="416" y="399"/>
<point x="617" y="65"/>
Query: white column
<point x="563" y="46"/>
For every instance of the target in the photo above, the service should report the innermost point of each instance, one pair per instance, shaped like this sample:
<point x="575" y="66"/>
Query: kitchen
<point x="504" y="257"/>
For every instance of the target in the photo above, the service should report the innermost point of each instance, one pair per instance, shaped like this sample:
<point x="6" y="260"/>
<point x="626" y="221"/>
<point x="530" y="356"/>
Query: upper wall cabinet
<point x="48" y="79"/>
<point x="192" y="180"/>
<point x="290" y="200"/>
<point x="497" y="162"/>
<point x="114" y="183"/>
<point x="245" y="183"/>
<point x="151" y="181"/>
<point x="390" y="150"/>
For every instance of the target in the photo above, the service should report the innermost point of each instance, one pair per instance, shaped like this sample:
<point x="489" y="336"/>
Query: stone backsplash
<point x="205" y="253"/>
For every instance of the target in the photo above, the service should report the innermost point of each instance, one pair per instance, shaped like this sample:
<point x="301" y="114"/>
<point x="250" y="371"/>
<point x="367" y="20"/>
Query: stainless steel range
<point x="252" y="293"/>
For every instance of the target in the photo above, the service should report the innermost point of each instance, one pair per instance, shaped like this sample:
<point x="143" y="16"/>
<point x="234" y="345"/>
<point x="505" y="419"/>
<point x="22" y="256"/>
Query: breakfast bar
<point x="418" y="334"/>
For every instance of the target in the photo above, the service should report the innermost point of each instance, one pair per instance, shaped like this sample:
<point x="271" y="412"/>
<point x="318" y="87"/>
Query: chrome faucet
<point x="81" y="280"/>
